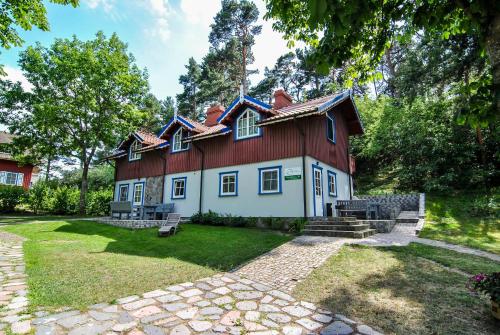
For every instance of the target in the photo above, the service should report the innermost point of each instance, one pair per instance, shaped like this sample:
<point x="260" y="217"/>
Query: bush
<point x="214" y="219"/>
<point x="10" y="197"/>
<point x="297" y="225"/>
<point x="38" y="196"/>
<point x="486" y="206"/>
<point x="64" y="200"/>
<point x="98" y="202"/>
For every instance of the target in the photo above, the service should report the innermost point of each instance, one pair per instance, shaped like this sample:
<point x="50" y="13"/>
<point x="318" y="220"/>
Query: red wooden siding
<point x="11" y="166"/>
<point x="279" y="141"/>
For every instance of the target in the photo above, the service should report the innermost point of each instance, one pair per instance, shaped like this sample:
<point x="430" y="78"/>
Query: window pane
<point x="270" y="180"/>
<point x="330" y="129"/>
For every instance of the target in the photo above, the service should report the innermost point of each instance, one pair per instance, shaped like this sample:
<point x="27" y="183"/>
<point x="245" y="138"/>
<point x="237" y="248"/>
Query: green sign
<point x="293" y="173"/>
<point x="294" y="177"/>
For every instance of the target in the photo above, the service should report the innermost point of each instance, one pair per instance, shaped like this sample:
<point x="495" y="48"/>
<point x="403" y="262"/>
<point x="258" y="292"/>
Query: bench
<point x="358" y="208"/>
<point x="120" y="208"/>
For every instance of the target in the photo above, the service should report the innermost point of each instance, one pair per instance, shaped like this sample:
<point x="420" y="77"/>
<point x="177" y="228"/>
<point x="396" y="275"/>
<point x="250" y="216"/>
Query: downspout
<point x="349" y="170"/>
<point x="201" y="175"/>
<point x="303" y="136"/>
<point x="164" y="176"/>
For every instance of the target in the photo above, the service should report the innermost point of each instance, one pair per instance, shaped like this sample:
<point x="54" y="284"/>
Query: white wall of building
<point x="190" y="204"/>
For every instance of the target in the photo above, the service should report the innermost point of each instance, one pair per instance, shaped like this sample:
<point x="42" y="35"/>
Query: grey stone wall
<point x="382" y="226"/>
<point x="154" y="189"/>
<point x="131" y="224"/>
<point x="392" y="204"/>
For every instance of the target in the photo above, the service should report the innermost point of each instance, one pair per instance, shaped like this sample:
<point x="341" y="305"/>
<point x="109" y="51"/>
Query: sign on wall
<point x="293" y="173"/>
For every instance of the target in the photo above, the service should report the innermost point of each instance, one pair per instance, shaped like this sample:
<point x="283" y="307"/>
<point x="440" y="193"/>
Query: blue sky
<point x="161" y="34"/>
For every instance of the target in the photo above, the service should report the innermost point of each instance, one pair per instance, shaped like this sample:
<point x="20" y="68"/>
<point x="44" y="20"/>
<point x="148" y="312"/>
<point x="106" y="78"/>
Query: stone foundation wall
<point x="382" y="226"/>
<point x="131" y="224"/>
<point x="392" y="204"/>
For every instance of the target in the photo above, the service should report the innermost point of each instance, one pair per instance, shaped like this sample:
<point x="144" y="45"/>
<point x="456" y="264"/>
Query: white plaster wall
<point x="130" y="184"/>
<point x="342" y="185"/>
<point x="249" y="202"/>
<point x="188" y="206"/>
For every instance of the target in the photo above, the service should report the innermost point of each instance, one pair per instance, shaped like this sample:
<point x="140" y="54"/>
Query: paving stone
<point x="309" y="324"/>
<point x="344" y="319"/>
<point x="336" y="328"/>
<point x="203" y="303"/>
<point x="110" y="309"/>
<point x="252" y="316"/>
<point x="99" y="306"/>
<point x="45" y="330"/>
<point x="247" y="295"/>
<point x="281" y="295"/>
<point x="125" y="317"/>
<point x="168" y="298"/>
<point x="138" y="304"/>
<point x="92" y="328"/>
<point x="239" y="287"/>
<point x="175" y="306"/>
<point x="221" y="290"/>
<point x="180" y="330"/>
<point x="365" y="330"/>
<point x="227" y="279"/>
<point x="231" y="318"/>
<point x="211" y="311"/>
<point x="253" y="326"/>
<point x="153" y="330"/>
<point x="21" y="327"/>
<point x="278" y="317"/>
<point x="223" y="300"/>
<point x="200" y="326"/>
<point x="127" y="300"/>
<point x="203" y="286"/>
<point x="322" y="318"/>
<point x="220" y="329"/>
<point x="191" y="293"/>
<point x="187" y="313"/>
<point x="101" y="316"/>
<point x="135" y="332"/>
<point x="72" y="321"/>
<point x="187" y="284"/>
<point x="308" y="305"/>
<point x="122" y="327"/>
<point x="194" y="299"/>
<point x="268" y="308"/>
<point x="154" y="294"/>
<point x="297" y="311"/>
<point x="290" y="330"/>
<point x="176" y="288"/>
<point x="156" y="317"/>
<point x="246" y="305"/>
<point x="146" y="311"/>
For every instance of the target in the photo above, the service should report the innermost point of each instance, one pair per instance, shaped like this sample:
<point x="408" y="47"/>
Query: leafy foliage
<point x="10" y="197"/>
<point x="98" y="202"/>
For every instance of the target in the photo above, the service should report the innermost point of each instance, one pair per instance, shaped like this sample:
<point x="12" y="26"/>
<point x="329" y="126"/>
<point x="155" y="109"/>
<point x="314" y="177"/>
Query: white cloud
<point x="106" y="5"/>
<point x="16" y="75"/>
<point x="160" y="10"/>
<point x="200" y="12"/>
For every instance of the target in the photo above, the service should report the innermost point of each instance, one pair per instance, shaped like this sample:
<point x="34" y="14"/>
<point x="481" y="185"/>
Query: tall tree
<point x="157" y="112"/>
<point x="24" y="14"/>
<point x="237" y="21"/>
<point x="90" y="91"/>
<point x="188" y="100"/>
<point x="361" y="31"/>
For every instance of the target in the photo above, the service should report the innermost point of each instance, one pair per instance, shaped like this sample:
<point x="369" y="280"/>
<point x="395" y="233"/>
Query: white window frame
<point x="246" y="116"/>
<point x="177" y="142"/>
<point x="16" y="178"/>
<point x="134" y="202"/>
<point x="175" y="181"/>
<point x="332" y="176"/>
<point x="330" y="120"/>
<point x="262" y="171"/>
<point x="133" y="155"/>
<point x="222" y="177"/>
<point x="120" y="187"/>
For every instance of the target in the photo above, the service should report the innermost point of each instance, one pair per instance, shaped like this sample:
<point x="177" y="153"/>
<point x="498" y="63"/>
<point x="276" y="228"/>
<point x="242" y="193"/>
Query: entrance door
<point x="318" y="192"/>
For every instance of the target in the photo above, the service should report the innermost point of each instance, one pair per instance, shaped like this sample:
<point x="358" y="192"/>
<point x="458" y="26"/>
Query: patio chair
<point x="169" y="227"/>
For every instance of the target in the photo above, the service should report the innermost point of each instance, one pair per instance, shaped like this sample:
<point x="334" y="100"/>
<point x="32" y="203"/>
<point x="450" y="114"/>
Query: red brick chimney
<point x="213" y="113"/>
<point x="281" y="99"/>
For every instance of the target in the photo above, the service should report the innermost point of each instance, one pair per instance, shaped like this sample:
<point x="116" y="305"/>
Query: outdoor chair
<point x="169" y="227"/>
<point x="163" y="210"/>
<point x="120" y="208"/>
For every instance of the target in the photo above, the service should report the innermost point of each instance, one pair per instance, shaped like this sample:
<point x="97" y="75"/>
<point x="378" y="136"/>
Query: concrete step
<point x="334" y="218"/>
<point x="332" y="222"/>
<point x="340" y="233"/>
<point x="356" y="227"/>
<point x="407" y="217"/>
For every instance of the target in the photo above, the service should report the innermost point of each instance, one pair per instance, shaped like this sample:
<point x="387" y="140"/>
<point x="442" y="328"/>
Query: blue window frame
<point x="270" y="180"/>
<point x="331" y="132"/>
<point x="178" y="143"/>
<point x="228" y="184"/>
<point x="123" y="192"/>
<point x="178" y="188"/>
<point x="332" y="184"/>
<point x="132" y="154"/>
<point x="138" y="198"/>
<point x="246" y="125"/>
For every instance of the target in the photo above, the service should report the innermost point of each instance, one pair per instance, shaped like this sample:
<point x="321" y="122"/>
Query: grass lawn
<point x="447" y="220"/>
<point x="77" y="263"/>
<point x="403" y="290"/>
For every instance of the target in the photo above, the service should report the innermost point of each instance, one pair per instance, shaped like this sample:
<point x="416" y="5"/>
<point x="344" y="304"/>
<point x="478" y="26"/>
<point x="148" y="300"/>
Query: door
<point x="318" y="191"/>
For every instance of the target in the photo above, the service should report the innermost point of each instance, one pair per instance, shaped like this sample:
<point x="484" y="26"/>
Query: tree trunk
<point x="47" y="170"/>
<point x="480" y="142"/>
<point x="244" y="68"/>
<point x="84" y="187"/>
<point x="392" y="71"/>
<point x="493" y="50"/>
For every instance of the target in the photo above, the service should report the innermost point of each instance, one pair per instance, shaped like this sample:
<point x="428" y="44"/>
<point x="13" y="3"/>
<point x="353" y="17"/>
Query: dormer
<point x="178" y="130"/>
<point x="136" y="144"/>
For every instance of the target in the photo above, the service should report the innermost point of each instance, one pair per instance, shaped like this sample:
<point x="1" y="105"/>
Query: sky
<point x="161" y="34"/>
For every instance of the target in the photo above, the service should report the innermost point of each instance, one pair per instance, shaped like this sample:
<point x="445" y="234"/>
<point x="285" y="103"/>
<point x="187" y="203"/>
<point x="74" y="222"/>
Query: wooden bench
<point x="352" y="208"/>
<point x="120" y="208"/>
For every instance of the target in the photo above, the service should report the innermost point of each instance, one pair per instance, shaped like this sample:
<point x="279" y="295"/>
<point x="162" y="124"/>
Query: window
<point x="179" y="188"/>
<point x="178" y="141"/>
<point x="246" y="124"/>
<point x="270" y="180"/>
<point x="332" y="183"/>
<point x="11" y="178"/>
<point x="330" y="128"/>
<point x="317" y="182"/>
<point x="228" y="184"/>
<point x="133" y="155"/>
<point x="138" y="193"/>
<point x="123" y="193"/>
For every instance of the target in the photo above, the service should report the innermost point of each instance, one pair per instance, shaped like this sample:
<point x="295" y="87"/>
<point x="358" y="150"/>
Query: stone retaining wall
<point x="392" y="204"/>
<point x="382" y="226"/>
<point x="131" y="224"/>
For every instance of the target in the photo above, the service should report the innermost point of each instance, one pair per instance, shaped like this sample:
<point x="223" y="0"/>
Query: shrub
<point x="10" y="197"/>
<point x="64" y="200"/>
<point x="277" y="223"/>
<point x="37" y="197"/>
<point x="484" y="207"/>
<point x="210" y="219"/>
<point x="297" y="225"/>
<point x="98" y="202"/>
<point x="488" y="284"/>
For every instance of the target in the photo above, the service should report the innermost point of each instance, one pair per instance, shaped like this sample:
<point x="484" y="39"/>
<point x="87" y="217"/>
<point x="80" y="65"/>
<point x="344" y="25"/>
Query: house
<point x="250" y="159"/>
<point x="13" y="172"/>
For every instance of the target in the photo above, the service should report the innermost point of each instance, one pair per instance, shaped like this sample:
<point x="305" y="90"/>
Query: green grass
<point x="77" y="263"/>
<point x="403" y="290"/>
<point x="448" y="219"/>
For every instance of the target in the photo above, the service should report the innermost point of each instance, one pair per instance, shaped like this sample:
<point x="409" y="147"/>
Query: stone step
<point x="332" y="218"/>
<point x="356" y="227"/>
<point x="329" y="223"/>
<point x="407" y="220"/>
<point x="340" y="233"/>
